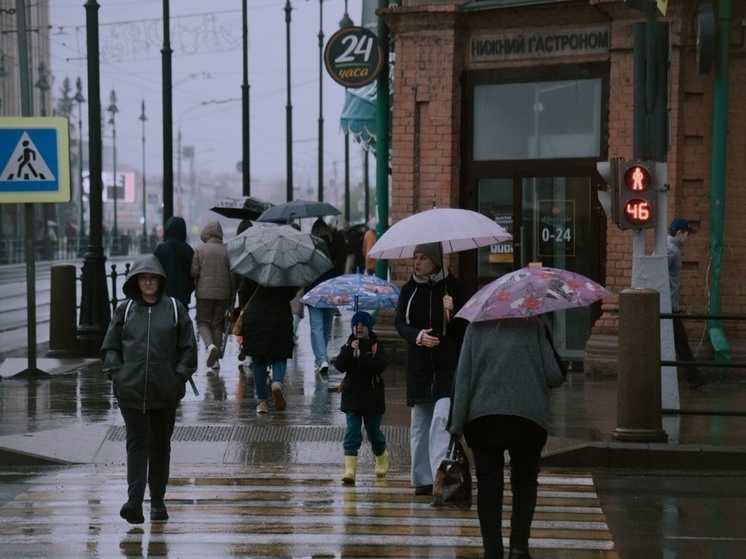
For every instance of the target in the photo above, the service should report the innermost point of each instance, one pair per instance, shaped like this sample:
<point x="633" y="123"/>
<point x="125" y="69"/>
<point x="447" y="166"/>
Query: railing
<point x="13" y="248"/>
<point x="716" y="364"/>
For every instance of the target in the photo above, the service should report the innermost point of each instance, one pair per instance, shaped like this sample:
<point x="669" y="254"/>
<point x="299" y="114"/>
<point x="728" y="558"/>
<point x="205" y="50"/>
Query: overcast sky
<point x="207" y="84"/>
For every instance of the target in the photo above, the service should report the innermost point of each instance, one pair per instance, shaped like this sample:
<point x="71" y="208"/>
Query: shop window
<point x="537" y="120"/>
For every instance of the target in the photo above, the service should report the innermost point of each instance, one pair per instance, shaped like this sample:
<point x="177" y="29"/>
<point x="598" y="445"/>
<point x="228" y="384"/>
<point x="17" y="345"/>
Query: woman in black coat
<point x="267" y="331"/>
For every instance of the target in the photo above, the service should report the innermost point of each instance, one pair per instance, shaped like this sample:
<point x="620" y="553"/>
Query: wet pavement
<point x="254" y="485"/>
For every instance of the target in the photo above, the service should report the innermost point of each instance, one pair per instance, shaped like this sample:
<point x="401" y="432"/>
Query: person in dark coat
<point x="425" y="319"/>
<point x="267" y="331"/>
<point x="362" y="358"/>
<point x="149" y="353"/>
<point x="175" y="255"/>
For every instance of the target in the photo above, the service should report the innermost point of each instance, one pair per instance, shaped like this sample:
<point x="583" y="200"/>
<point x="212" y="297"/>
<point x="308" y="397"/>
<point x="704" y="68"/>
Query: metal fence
<point x="13" y="248"/>
<point x="714" y="364"/>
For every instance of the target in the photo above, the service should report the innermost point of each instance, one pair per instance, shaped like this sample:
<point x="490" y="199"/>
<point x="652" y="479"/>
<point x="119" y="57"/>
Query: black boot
<point x="131" y="511"/>
<point x="518" y="554"/>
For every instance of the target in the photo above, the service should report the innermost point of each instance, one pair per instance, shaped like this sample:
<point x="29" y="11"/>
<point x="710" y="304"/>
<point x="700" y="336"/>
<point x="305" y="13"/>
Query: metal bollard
<point x="639" y="373"/>
<point x="63" y="313"/>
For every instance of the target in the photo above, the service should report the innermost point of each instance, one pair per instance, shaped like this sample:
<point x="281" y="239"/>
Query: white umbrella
<point x="277" y="255"/>
<point x="455" y="229"/>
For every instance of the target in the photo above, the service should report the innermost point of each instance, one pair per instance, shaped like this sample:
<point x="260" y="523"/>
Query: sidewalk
<point x="70" y="418"/>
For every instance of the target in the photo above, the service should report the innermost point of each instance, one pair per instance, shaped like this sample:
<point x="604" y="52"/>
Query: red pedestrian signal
<point x="637" y="204"/>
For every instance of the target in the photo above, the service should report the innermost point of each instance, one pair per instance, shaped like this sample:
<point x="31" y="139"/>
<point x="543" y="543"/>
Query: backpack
<point x="129" y="305"/>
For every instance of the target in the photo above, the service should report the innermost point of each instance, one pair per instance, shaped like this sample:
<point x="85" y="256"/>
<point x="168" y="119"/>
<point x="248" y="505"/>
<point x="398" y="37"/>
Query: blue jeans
<point x="523" y="439"/>
<point x="354" y="433"/>
<point x="321" y="321"/>
<point x="148" y="451"/>
<point x="260" y="368"/>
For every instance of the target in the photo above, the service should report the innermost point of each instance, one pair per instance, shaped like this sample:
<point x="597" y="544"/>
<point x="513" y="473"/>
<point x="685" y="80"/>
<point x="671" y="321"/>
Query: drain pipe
<point x="717" y="174"/>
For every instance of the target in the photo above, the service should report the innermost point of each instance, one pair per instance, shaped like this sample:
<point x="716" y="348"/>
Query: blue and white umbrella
<point x="353" y="292"/>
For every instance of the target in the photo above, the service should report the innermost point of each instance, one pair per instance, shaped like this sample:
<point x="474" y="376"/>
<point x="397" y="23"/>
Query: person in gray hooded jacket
<point x="149" y="353"/>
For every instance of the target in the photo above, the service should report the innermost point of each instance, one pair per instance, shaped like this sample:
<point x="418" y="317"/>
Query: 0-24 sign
<point x="353" y="57"/>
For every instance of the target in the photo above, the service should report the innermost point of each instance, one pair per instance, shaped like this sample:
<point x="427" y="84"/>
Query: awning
<point x="359" y="114"/>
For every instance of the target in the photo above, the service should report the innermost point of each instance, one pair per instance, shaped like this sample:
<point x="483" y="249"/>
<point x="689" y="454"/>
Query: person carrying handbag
<point x="501" y="403"/>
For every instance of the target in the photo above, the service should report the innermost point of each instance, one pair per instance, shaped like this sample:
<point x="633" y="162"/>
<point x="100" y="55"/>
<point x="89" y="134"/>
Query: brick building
<point x="506" y="106"/>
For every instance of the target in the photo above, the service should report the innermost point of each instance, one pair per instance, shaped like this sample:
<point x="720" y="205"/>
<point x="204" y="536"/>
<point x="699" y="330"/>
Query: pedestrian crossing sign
<point x="34" y="160"/>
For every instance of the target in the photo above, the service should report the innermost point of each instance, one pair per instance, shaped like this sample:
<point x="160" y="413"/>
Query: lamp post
<point x="48" y="210"/>
<point x="246" y="157"/>
<point x="346" y="21"/>
<point x="43" y="85"/>
<point x="144" y="245"/>
<point x="79" y="99"/>
<point x="321" y="101"/>
<point x="288" y="110"/>
<point x="113" y="110"/>
<point x="95" y="308"/>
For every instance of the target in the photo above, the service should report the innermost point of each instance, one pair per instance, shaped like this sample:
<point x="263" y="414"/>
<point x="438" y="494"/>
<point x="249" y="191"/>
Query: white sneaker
<point x="262" y="407"/>
<point x="323" y="368"/>
<point x="212" y="355"/>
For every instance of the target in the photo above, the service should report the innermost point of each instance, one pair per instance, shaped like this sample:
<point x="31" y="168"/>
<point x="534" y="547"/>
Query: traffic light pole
<point x="650" y="142"/>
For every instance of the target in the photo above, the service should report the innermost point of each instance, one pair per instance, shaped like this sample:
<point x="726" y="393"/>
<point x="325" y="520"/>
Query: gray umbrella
<point x="277" y="255"/>
<point x="297" y="209"/>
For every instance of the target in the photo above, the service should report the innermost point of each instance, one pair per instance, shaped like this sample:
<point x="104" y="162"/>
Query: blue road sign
<point x="34" y="160"/>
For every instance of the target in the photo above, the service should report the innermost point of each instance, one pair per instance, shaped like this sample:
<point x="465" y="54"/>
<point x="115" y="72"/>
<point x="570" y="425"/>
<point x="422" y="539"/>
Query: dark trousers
<point x="524" y="440"/>
<point x="148" y="451"/>
<point x="681" y="346"/>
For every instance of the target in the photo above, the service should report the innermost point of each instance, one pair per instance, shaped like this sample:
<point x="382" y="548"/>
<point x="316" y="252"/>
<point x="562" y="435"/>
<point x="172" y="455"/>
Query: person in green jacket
<point x="149" y="353"/>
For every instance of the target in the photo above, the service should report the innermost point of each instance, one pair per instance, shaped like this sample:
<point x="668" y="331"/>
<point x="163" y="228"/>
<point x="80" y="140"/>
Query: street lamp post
<point x="48" y="210"/>
<point x="79" y="99"/>
<point x="43" y="85"/>
<point x="346" y="21"/>
<point x="288" y="109"/>
<point x="144" y="245"/>
<point x="95" y="308"/>
<point x="113" y="110"/>
<point x="321" y="101"/>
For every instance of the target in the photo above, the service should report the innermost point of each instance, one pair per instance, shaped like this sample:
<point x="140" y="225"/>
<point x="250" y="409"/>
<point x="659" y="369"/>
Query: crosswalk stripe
<point x="280" y="512"/>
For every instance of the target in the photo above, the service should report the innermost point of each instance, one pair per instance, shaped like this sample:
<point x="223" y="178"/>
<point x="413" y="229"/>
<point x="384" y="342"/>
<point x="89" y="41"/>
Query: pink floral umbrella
<point x="531" y="291"/>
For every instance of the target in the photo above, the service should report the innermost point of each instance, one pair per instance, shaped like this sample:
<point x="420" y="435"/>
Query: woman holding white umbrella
<point x="424" y="318"/>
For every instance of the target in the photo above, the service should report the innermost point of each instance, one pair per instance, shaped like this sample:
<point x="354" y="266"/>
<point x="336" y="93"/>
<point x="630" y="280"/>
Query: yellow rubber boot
<point x="382" y="464"/>
<point x="350" y="467"/>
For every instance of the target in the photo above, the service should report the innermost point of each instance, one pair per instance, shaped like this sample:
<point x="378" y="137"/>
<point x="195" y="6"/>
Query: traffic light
<point x="637" y="195"/>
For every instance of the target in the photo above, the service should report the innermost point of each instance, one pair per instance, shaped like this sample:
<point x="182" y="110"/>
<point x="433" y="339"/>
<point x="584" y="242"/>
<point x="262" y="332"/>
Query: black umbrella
<point x="297" y="209"/>
<point x="246" y="207"/>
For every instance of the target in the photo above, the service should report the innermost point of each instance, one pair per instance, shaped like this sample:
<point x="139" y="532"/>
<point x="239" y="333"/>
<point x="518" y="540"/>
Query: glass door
<point x="551" y="220"/>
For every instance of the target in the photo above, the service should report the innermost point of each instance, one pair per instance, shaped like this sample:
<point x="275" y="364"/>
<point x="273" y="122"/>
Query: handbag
<point x="238" y="324"/>
<point x="452" y="485"/>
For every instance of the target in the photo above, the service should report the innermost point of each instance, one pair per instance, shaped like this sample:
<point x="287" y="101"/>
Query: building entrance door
<point x="553" y="220"/>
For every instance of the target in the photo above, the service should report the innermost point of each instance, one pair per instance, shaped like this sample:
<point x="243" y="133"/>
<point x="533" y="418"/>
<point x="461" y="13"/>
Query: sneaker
<point x="279" y="396"/>
<point x="212" y="355"/>
<point x="216" y="366"/>
<point x="158" y="512"/>
<point x="241" y="354"/>
<point x="131" y="511"/>
<point x="262" y="407"/>
<point x="324" y="368"/>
